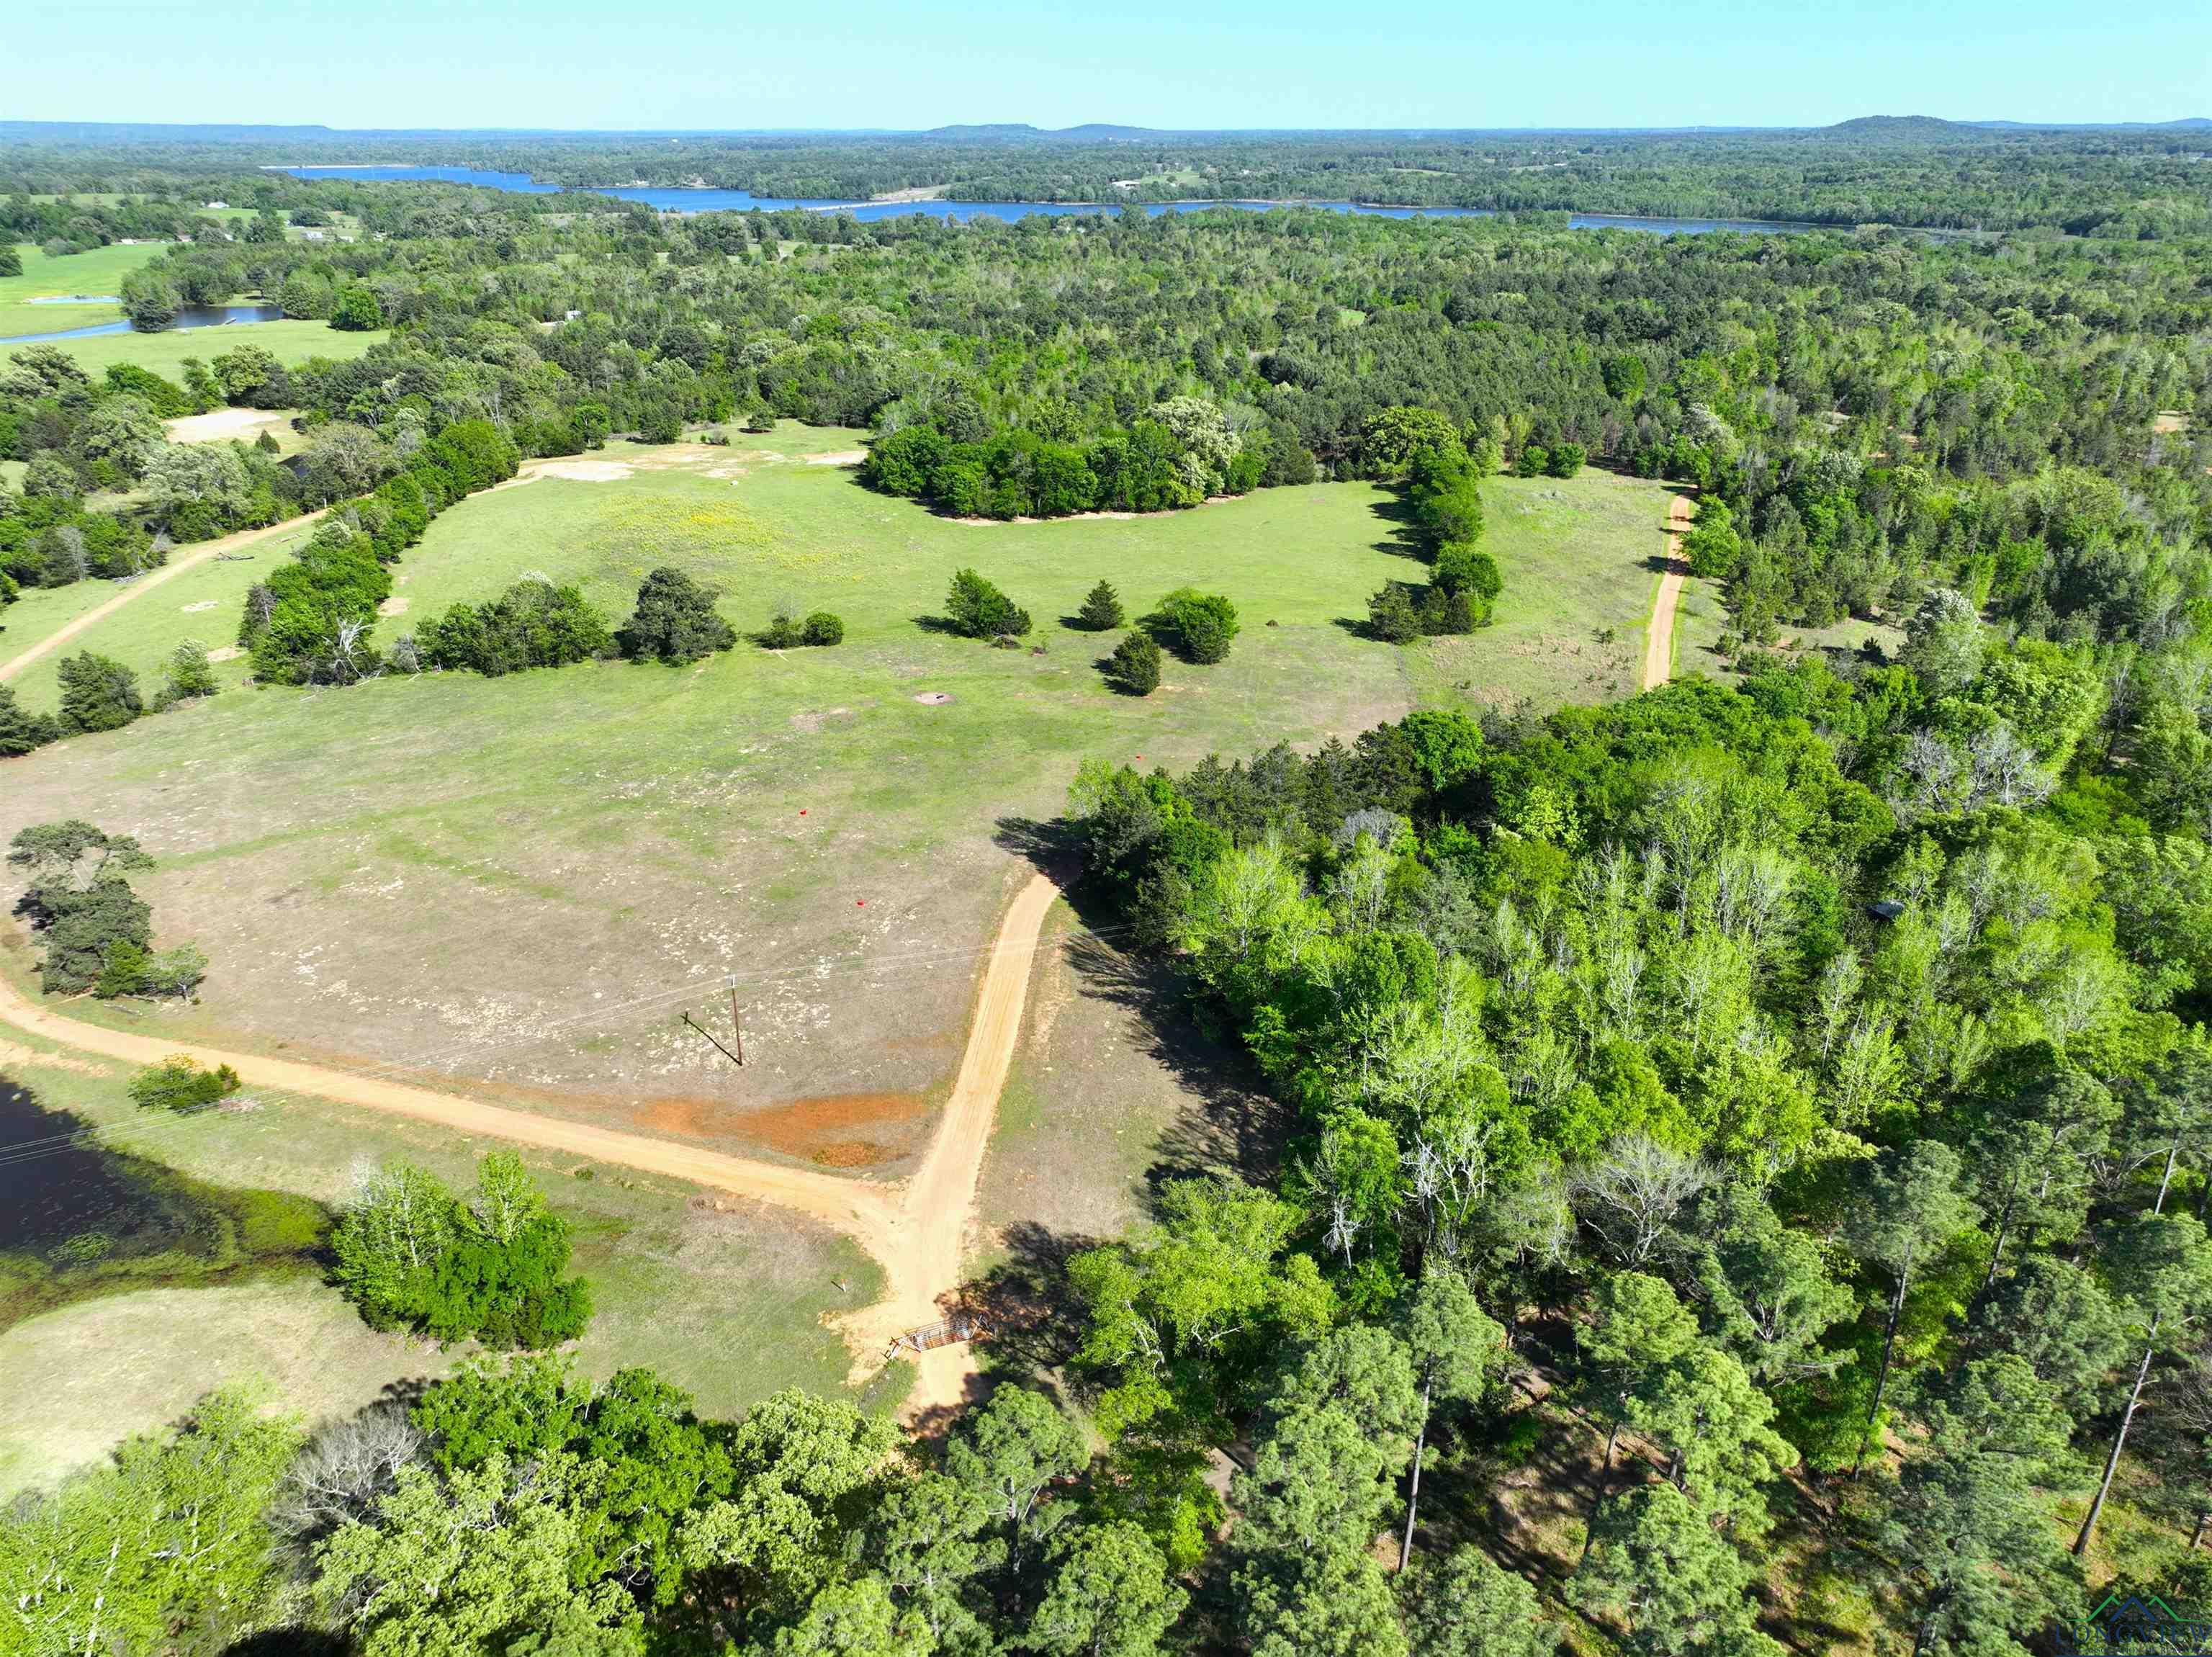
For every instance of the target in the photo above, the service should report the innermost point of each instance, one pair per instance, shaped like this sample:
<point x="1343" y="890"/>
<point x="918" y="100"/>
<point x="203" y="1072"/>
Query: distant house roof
<point x="1887" y="910"/>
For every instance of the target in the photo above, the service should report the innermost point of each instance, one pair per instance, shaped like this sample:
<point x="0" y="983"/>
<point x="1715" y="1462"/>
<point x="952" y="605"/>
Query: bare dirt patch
<point x="225" y="653"/>
<point x="224" y="425"/>
<point x="826" y="1130"/>
<point x="394" y="606"/>
<point x="586" y="471"/>
<point x="840" y="457"/>
<point x="934" y="698"/>
<point x="13" y="1053"/>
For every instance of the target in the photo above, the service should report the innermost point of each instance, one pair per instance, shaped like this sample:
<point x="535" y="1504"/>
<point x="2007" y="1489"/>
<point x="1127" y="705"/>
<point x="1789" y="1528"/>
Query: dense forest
<point x="2120" y="181"/>
<point x="1769" y="1122"/>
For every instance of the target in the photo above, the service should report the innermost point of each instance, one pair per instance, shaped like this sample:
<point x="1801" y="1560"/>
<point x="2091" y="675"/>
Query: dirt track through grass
<point x="1659" y="636"/>
<point x="918" y="1234"/>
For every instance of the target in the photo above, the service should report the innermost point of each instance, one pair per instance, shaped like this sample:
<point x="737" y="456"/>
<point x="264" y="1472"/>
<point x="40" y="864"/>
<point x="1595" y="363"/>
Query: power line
<point x="60" y="1144"/>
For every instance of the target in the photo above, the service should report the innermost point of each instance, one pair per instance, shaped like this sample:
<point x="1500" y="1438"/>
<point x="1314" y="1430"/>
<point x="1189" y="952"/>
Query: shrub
<point x="1391" y="616"/>
<point x="1102" y="609"/>
<point x="21" y="730"/>
<point x="179" y="1083"/>
<point x="1134" y="666"/>
<point x="189" y="673"/>
<point x="822" y="627"/>
<point x="977" y="609"/>
<point x="1533" y="463"/>
<point x="98" y="694"/>
<point x="532" y="625"/>
<point x="675" y="621"/>
<point x="1566" y="459"/>
<point x="1203" y="623"/>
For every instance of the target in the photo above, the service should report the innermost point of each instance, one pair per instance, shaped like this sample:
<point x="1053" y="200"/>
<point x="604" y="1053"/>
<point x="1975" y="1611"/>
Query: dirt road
<point x="937" y="1206"/>
<point x="190" y="558"/>
<point x="917" y="1233"/>
<point x="1659" y="636"/>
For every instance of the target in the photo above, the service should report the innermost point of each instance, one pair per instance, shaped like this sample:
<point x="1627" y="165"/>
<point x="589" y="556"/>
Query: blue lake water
<point x="191" y="316"/>
<point x="670" y="199"/>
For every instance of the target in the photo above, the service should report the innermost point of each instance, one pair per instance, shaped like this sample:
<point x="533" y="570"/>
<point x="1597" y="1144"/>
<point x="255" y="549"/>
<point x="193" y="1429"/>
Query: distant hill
<point x="1023" y="132"/>
<point x="1902" y="129"/>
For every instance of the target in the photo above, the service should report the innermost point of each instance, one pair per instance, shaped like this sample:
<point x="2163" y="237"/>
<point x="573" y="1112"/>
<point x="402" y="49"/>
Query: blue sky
<point x="709" y="64"/>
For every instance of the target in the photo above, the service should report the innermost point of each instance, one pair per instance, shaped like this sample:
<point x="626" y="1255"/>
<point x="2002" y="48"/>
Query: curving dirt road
<point x="917" y="1233"/>
<point x="191" y="559"/>
<point x="1659" y="636"/>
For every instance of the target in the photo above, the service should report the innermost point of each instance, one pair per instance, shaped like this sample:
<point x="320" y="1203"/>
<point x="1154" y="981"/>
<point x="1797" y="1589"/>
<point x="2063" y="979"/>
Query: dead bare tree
<point x="1632" y="1193"/>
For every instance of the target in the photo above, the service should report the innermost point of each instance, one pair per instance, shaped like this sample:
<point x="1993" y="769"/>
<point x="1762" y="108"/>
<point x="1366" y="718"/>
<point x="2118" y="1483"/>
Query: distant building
<point x="216" y="206"/>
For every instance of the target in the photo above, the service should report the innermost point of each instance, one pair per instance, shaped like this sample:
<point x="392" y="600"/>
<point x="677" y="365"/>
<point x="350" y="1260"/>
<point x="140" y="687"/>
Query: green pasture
<point x="98" y="271"/>
<point x="519" y="883"/>
<point x="203" y="602"/>
<point x="164" y="353"/>
<point x="726" y="1300"/>
<point x="1580" y="559"/>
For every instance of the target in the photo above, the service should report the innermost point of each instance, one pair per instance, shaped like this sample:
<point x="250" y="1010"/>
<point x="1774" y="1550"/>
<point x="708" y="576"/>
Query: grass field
<point x="520" y="883"/>
<point x="202" y="603"/>
<point x="723" y="1297"/>
<point x="1578" y="558"/>
<point x="98" y="271"/>
<point x="165" y="353"/>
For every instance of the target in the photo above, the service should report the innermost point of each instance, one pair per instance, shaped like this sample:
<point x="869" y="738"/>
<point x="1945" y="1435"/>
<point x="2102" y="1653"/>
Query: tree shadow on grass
<point x="1402" y="537"/>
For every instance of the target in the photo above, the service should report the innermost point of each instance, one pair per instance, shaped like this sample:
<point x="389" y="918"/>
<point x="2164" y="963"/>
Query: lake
<point x="669" y="198"/>
<point x="191" y="316"/>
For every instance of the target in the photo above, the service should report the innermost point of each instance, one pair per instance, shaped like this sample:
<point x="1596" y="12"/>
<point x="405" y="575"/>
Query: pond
<point x="78" y="1217"/>
<point x="670" y="199"/>
<point x="191" y="316"/>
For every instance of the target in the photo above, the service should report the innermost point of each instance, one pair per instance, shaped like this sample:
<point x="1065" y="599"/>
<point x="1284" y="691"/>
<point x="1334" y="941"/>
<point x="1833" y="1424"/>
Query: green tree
<point x="1327" y="1603"/>
<point x="1102" y="610"/>
<point x="180" y="1083"/>
<point x="1457" y="1350"/>
<point x="1010" y="1452"/>
<point x="1391" y="616"/>
<point x="1911" y="1211"/>
<point x="460" y="1564"/>
<point x="98" y="693"/>
<point x="1133" y="668"/>
<point x="1110" y="1595"/>
<point x="1466" y="1605"/>
<point x="821" y="628"/>
<point x="926" y="1540"/>
<point x="675" y="621"/>
<point x="2160" y="1267"/>
<point x="1657" y="1563"/>
<point x="356" y="309"/>
<point x="1176" y="1316"/>
<point x="977" y="609"/>
<point x="1202" y="624"/>
<point x="189" y="675"/>
<point x="1767" y="1287"/>
<point x="150" y="300"/>
<point x="1713" y="547"/>
<point x="858" y="1618"/>
<point x="161" y="1549"/>
<point x="21" y="730"/>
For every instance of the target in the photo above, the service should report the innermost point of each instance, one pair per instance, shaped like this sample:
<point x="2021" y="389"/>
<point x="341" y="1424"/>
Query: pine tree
<point x="1102" y="611"/>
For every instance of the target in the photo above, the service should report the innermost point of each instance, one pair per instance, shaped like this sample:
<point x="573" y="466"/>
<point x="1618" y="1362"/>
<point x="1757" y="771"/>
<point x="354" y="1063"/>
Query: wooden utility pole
<point x="737" y="1025"/>
<point x="712" y="1036"/>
